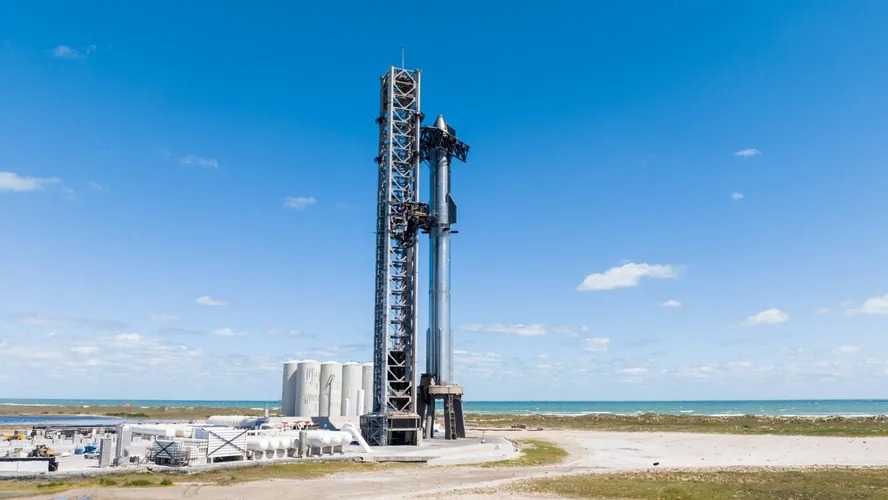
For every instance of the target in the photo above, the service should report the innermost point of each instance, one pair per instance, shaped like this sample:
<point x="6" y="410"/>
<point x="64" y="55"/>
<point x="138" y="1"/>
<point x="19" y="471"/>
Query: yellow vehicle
<point x="18" y="436"/>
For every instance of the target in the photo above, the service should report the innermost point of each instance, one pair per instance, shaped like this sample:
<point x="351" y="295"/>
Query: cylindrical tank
<point x="257" y="443"/>
<point x="308" y="388"/>
<point x="153" y="430"/>
<point x="331" y="390"/>
<point x="288" y="389"/>
<point x="352" y="376"/>
<point x="367" y="385"/>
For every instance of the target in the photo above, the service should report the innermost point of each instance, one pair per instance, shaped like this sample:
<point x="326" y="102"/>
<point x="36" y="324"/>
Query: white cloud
<point x="85" y="350"/>
<point x="635" y="371"/>
<point x="523" y="330"/>
<point x="737" y="196"/>
<point x="846" y="349"/>
<point x="66" y="52"/>
<point x="95" y="186"/>
<point x="286" y="333"/>
<point x="206" y="300"/>
<point x="672" y="303"/>
<point x="128" y="338"/>
<point x="767" y="317"/>
<point x="596" y="344"/>
<point x="747" y="153"/>
<point x="299" y="202"/>
<point x="199" y="161"/>
<point x="68" y="322"/>
<point x="164" y="318"/>
<point x="10" y="181"/>
<point x="738" y="365"/>
<point x="626" y="276"/>
<point x="873" y="305"/>
<point x="227" y="332"/>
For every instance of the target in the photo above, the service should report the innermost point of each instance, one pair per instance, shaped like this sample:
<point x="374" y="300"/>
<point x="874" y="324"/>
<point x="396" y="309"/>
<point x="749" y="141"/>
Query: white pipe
<point x="346" y="412"/>
<point x="350" y="428"/>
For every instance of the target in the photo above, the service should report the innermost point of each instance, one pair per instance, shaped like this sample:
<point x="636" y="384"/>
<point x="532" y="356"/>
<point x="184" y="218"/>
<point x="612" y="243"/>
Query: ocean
<point x="804" y="407"/>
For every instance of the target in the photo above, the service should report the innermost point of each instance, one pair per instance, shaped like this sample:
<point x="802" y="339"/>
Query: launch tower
<point x="399" y="406"/>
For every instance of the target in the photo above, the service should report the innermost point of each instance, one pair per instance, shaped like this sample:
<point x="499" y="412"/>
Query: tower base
<point x="454" y="420"/>
<point x="391" y="429"/>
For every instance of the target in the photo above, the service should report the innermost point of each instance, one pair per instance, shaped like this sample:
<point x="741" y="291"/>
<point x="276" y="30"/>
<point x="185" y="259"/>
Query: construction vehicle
<point x="42" y="451"/>
<point x="15" y="436"/>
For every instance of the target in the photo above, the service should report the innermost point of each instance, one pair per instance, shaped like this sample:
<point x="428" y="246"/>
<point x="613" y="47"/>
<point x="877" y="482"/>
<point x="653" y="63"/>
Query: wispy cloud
<point x="299" y="202"/>
<point x="68" y="52"/>
<point x="95" y="186"/>
<point x="206" y="300"/>
<point x="846" y="349"/>
<point x="671" y="303"/>
<point x="287" y="333"/>
<point x="748" y="153"/>
<point x="767" y="317"/>
<point x="596" y="344"/>
<point x="10" y="181"/>
<point x="737" y="196"/>
<point x="199" y="161"/>
<point x="68" y="322"/>
<point x="523" y="330"/>
<point x="626" y="276"/>
<point x="634" y="371"/>
<point x="873" y="305"/>
<point x="227" y="332"/>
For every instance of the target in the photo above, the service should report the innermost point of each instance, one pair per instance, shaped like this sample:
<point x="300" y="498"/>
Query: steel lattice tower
<point x="394" y="419"/>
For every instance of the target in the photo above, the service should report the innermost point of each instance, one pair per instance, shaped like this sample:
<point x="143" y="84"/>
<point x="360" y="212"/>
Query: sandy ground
<point x="589" y="451"/>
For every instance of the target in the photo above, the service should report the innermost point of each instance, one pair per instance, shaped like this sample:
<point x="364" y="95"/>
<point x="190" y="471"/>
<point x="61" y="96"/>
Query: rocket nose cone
<point x="440" y="124"/>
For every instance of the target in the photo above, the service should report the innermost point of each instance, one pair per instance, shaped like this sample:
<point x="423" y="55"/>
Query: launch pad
<point x="403" y="413"/>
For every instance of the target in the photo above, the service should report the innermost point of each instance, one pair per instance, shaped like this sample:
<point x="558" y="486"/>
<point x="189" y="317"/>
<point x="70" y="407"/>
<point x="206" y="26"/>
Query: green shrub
<point x="139" y="483"/>
<point x="107" y="481"/>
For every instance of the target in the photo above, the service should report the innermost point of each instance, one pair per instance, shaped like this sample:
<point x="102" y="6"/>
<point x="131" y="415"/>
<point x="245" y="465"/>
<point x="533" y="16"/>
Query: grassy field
<point x="650" y="422"/>
<point x="810" y="484"/>
<point x="162" y="412"/>
<point x="223" y="477"/>
<point x="533" y="452"/>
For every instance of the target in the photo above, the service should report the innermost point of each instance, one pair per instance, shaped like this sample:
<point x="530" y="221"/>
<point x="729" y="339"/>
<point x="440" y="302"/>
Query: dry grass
<point x="651" y="422"/>
<point x="806" y="484"/>
<point x="534" y="452"/>
<point x="307" y="470"/>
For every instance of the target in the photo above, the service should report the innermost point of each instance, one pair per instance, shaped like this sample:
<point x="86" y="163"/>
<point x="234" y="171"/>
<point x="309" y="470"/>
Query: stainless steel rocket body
<point x="440" y="351"/>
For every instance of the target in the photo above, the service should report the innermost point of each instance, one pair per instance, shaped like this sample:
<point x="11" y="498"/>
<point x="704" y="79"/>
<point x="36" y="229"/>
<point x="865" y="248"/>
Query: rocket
<point x="441" y="145"/>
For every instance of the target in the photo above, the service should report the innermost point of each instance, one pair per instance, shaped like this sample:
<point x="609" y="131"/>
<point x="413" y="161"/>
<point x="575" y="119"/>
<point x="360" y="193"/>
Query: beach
<point x="588" y="452"/>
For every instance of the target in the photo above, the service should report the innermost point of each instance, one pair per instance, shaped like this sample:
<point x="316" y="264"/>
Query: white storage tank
<point x="367" y="384"/>
<point x="288" y="392"/>
<point x="352" y="375"/>
<point x="331" y="390"/>
<point x="308" y="388"/>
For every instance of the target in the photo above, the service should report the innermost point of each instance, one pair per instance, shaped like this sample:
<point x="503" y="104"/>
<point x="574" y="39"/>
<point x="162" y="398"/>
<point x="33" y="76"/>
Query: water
<point x="809" y="407"/>
<point x="30" y="420"/>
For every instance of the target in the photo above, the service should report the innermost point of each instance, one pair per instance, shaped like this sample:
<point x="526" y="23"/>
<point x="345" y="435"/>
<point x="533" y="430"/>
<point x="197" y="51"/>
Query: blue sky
<point x="679" y="200"/>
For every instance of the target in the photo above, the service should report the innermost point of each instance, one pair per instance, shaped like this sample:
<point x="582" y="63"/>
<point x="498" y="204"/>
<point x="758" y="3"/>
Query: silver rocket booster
<point x="440" y="352"/>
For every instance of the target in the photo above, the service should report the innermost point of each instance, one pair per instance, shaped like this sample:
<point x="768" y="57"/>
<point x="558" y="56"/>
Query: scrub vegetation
<point x="803" y="484"/>
<point x="306" y="470"/>
<point x="533" y="452"/>
<point x="652" y="422"/>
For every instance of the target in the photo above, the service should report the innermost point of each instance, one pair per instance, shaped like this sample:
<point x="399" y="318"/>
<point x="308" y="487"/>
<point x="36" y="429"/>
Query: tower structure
<point x="399" y="406"/>
<point x="394" y="419"/>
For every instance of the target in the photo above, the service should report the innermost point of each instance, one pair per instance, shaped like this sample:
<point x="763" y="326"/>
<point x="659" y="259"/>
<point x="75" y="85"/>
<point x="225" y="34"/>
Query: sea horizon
<point x="726" y="407"/>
